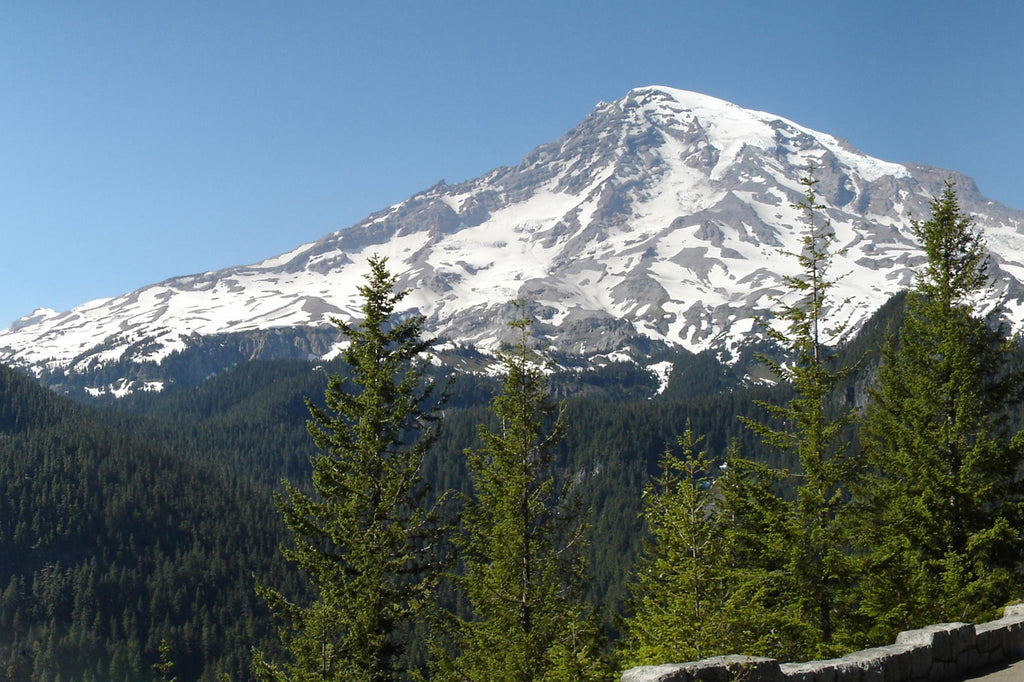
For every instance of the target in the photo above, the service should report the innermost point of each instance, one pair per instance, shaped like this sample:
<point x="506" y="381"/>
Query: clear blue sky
<point x="143" y="140"/>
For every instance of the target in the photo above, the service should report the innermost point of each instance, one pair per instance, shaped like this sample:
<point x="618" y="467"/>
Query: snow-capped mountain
<point x="661" y="217"/>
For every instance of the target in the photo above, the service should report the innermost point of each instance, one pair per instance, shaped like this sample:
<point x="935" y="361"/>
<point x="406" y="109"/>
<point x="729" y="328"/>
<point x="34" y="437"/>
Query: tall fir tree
<point x="680" y="585"/>
<point x="365" y="537"/>
<point x="814" y="430"/>
<point x="522" y="545"/>
<point x="758" y="614"/>
<point x="946" y="525"/>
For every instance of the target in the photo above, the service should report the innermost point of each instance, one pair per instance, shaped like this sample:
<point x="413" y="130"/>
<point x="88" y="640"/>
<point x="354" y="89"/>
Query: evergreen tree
<point x="522" y="545"/>
<point x="814" y="431"/>
<point x="680" y="586"/>
<point x="758" y="614"/>
<point x="365" y="537"/>
<point x="946" y="526"/>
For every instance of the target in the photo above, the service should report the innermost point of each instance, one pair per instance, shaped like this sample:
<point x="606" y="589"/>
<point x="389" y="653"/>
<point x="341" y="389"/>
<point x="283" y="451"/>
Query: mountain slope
<point x="658" y="221"/>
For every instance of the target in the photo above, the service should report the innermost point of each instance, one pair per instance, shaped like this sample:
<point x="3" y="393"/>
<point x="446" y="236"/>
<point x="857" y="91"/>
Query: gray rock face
<point x="662" y="216"/>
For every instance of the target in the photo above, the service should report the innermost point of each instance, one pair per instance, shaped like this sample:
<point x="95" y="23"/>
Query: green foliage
<point x="365" y="537"/>
<point x="816" y="532"/>
<point x="680" y="586"/>
<point x="759" y="613"/>
<point x="945" y="522"/>
<point x="112" y="543"/>
<point x="249" y="421"/>
<point x="522" y="545"/>
<point x="166" y="665"/>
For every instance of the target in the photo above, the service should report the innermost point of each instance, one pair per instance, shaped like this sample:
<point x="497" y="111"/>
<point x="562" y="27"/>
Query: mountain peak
<point x="733" y="128"/>
<point x="687" y="99"/>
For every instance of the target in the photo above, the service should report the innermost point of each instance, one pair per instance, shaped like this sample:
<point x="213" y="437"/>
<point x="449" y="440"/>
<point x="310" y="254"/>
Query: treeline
<point x="133" y="536"/>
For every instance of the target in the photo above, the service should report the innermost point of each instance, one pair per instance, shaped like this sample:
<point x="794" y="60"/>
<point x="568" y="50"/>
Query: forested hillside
<point x="252" y="419"/>
<point x="112" y="542"/>
<point x="131" y="523"/>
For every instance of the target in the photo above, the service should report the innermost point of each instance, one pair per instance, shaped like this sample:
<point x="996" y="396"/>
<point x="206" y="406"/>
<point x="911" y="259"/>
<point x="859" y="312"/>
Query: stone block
<point x="899" y="665"/>
<point x="961" y="640"/>
<point x="946" y="640"/>
<point x="1014" y="642"/>
<point x="967" y="660"/>
<point x="670" y="672"/>
<point x="847" y="670"/>
<point x="991" y="638"/>
<point x="941" y="671"/>
<point x="920" y="662"/>
<point x="811" y="671"/>
<point x="873" y="662"/>
<point x="734" y="669"/>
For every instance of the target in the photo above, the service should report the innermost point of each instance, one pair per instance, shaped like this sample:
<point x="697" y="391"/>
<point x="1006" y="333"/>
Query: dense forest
<point x="130" y="523"/>
<point x="126" y="524"/>
<point x="112" y="543"/>
<point x="134" y="532"/>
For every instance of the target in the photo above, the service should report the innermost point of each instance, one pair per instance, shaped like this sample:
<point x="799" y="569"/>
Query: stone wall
<point x="931" y="654"/>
